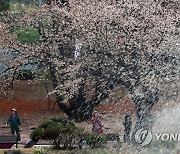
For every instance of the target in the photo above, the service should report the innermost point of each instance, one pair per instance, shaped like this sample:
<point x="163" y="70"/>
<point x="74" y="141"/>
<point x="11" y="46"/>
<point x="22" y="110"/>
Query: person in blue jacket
<point x="15" y="123"/>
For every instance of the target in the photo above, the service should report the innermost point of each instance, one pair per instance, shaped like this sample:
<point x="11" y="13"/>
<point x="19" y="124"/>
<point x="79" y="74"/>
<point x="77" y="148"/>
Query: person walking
<point x="15" y="123"/>
<point x="96" y="122"/>
<point x="127" y="128"/>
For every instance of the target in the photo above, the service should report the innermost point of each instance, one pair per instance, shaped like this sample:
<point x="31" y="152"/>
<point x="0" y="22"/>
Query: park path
<point x="167" y="120"/>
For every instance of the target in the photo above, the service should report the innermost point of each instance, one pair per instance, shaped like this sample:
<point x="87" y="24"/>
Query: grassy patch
<point x="14" y="7"/>
<point x="30" y="35"/>
<point x="43" y="75"/>
<point x="20" y="7"/>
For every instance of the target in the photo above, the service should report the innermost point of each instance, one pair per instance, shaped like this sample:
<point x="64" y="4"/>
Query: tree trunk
<point x="79" y="109"/>
<point x="145" y="120"/>
<point x="59" y="98"/>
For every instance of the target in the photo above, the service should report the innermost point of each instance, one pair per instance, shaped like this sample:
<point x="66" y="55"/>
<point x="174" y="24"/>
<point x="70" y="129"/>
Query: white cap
<point x="95" y="112"/>
<point x="13" y="110"/>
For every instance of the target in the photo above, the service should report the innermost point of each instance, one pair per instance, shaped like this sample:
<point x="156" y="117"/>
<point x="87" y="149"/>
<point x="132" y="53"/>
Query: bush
<point x="30" y="35"/>
<point x="60" y="131"/>
<point x="96" y="140"/>
<point x="62" y="121"/>
<point x="37" y="134"/>
<point x="45" y="124"/>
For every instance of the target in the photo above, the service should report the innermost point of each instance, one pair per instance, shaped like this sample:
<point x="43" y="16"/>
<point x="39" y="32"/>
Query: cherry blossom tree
<point x="129" y="43"/>
<point x="132" y="43"/>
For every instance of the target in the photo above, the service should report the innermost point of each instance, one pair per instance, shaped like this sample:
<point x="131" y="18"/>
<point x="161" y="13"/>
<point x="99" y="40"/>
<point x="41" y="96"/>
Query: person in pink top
<point x="96" y="122"/>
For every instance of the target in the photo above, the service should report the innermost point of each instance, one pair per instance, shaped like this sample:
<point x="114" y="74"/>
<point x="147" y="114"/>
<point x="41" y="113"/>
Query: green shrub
<point x="52" y="133"/>
<point x="45" y="124"/>
<point x="96" y="140"/>
<point x="62" y="121"/>
<point x="37" y="134"/>
<point x="30" y="35"/>
<point x="58" y="130"/>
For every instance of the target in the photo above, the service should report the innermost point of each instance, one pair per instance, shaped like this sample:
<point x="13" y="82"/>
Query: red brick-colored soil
<point x="31" y="104"/>
<point x="22" y="106"/>
<point x="30" y="99"/>
<point x="27" y="98"/>
<point x="121" y="107"/>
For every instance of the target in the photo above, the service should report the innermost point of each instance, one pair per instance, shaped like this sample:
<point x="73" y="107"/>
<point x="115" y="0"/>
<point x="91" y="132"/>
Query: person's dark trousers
<point x="17" y="133"/>
<point x="127" y="137"/>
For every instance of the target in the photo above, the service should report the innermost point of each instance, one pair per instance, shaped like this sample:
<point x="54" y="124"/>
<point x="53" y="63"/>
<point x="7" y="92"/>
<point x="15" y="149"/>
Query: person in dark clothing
<point x="127" y="128"/>
<point x="15" y="123"/>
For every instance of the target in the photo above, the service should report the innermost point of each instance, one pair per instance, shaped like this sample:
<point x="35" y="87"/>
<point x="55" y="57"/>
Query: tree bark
<point x="54" y="80"/>
<point x="143" y="111"/>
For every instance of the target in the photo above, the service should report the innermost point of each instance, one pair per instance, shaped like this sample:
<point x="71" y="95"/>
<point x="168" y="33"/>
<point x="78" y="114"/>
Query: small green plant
<point x="60" y="131"/>
<point x="40" y="151"/>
